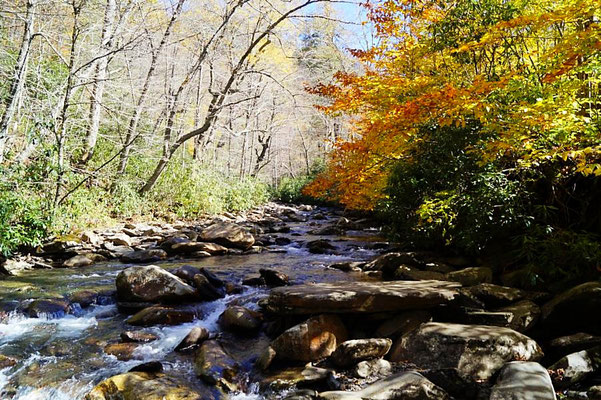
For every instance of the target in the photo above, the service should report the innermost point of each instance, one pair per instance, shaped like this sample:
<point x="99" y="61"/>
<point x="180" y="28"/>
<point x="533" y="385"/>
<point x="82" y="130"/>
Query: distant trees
<point x="110" y="92"/>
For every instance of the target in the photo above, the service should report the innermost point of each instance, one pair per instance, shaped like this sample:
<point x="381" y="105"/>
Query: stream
<point x="61" y="357"/>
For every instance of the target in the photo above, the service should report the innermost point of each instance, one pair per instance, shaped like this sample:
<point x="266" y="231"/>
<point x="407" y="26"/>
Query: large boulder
<point x="403" y="386"/>
<point x="312" y="340"/>
<point x="353" y="351"/>
<point x="158" y="315"/>
<point x="49" y="308"/>
<point x="576" y="367"/>
<point x="148" y="386"/>
<point x="360" y="297"/>
<point x="575" y="309"/>
<point x="152" y="284"/>
<point x="228" y="234"/>
<point x="523" y="380"/>
<point x="475" y="351"/>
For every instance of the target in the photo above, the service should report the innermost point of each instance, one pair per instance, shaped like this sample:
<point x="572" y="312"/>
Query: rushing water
<point x="62" y="358"/>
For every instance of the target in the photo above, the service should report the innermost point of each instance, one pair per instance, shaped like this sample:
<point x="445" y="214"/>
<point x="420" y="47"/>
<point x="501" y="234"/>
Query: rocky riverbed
<point x="293" y="303"/>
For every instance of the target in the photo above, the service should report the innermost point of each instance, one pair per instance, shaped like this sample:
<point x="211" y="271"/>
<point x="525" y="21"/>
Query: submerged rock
<point x="158" y="315"/>
<point x="152" y="284"/>
<point x="360" y="297"/>
<point x="53" y="308"/>
<point x="138" y="337"/>
<point x="320" y="246"/>
<point x="148" y="386"/>
<point x="123" y="351"/>
<point x="523" y="380"/>
<point x="476" y="351"/>
<point x="228" y="234"/>
<point x="404" y="386"/>
<point x="312" y="340"/>
<point x="214" y="366"/>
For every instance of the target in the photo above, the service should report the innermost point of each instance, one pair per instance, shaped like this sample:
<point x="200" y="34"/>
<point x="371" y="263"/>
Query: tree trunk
<point x="100" y="73"/>
<point x="135" y="118"/>
<point x="18" y="80"/>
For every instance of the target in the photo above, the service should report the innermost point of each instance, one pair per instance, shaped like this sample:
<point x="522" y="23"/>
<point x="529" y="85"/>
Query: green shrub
<point x="290" y="189"/>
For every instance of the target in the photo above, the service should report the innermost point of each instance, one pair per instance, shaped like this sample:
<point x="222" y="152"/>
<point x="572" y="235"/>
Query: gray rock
<point x="404" y="386"/>
<point x="51" y="308"/>
<point x="495" y="295"/>
<point x="476" y="351"/>
<point x="206" y="290"/>
<point x="402" y="323"/>
<point x="565" y="345"/>
<point x="523" y="380"/>
<point x="576" y="367"/>
<point x="370" y="368"/>
<point x="357" y="297"/>
<point x="152" y="284"/>
<point x="14" y="267"/>
<point x="353" y="351"/>
<point x="406" y="273"/>
<point x="138" y="337"/>
<point x="471" y="276"/>
<point x="524" y="315"/>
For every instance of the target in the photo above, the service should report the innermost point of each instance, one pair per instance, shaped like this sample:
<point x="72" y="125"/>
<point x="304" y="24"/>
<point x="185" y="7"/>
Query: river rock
<point x="406" y="273"/>
<point x="311" y="340"/>
<point x="476" y="351"/>
<point x="321" y="246"/>
<point x="274" y="278"/>
<point x="214" y="366"/>
<point x="307" y="376"/>
<point x="152" y="284"/>
<point x="6" y="362"/>
<point x="594" y="392"/>
<point x="148" y="386"/>
<point x="266" y="358"/>
<point x="565" y="345"/>
<point x="523" y="380"/>
<point x="119" y="239"/>
<point x="194" y="247"/>
<point x="151" y="366"/>
<point x="360" y="297"/>
<point x="84" y="298"/>
<point x="402" y="323"/>
<point x="576" y="367"/>
<point x="240" y="319"/>
<point x="495" y="295"/>
<point x="194" y="338"/>
<point x="138" y="337"/>
<point x="143" y="256"/>
<point x="168" y="243"/>
<point x="228" y="234"/>
<point x="78" y="261"/>
<point x="471" y="276"/>
<point x="186" y="273"/>
<point x="353" y="351"/>
<point x="348" y="266"/>
<point x="123" y="351"/>
<point x="212" y="278"/>
<point x="206" y="290"/>
<point x="14" y="267"/>
<point x="370" y="368"/>
<point x="403" y="386"/>
<point x="390" y="262"/>
<point x="575" y="309"/>
<point x="52" y="308"/>
<point x="158" y="315"/>
<point x="524" y="315"/>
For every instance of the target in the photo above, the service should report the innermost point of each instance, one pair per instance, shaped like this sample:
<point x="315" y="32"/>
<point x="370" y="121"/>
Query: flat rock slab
<point x="360" y="297"/>
<point x="523" y="380"/>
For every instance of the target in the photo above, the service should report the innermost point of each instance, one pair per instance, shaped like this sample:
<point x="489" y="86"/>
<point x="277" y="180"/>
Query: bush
<point x="290" y="189"/>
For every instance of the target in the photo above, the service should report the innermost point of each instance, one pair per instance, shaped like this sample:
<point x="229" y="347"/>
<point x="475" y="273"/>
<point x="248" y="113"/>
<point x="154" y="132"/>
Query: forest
<point x="300" y="199"/>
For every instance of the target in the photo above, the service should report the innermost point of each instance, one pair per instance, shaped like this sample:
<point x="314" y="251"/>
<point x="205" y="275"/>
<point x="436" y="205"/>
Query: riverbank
<point x="285" y="302"/>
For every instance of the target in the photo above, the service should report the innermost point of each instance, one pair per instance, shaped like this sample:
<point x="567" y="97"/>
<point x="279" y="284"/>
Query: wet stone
<point x="138" y="337"/>
<point x="194" y="338"/>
